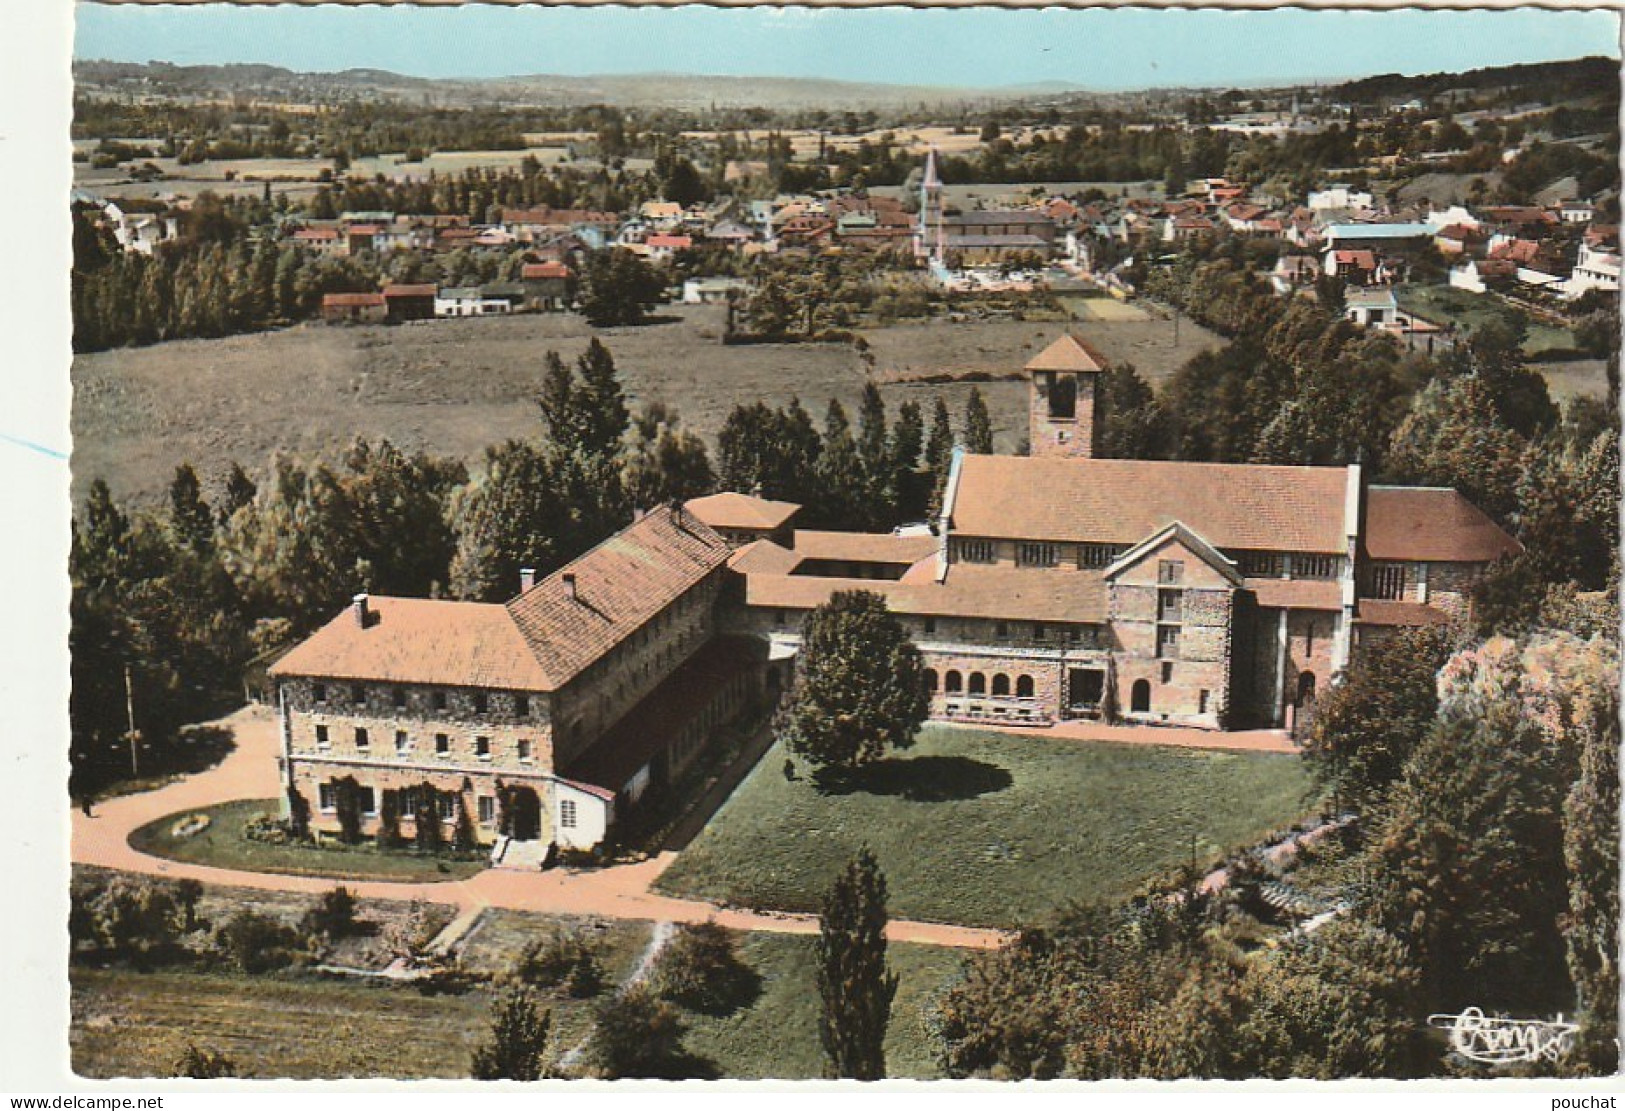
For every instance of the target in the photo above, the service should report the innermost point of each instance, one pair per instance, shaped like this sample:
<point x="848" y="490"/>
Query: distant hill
<point x="645" y="90"/>
<point x="1552" y="81"/>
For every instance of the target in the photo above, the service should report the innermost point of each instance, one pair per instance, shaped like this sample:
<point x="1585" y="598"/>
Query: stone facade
<point x="1062" y="413"/>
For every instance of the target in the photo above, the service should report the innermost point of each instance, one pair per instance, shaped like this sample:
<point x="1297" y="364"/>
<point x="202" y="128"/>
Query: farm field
<point x="455" y="386"/>
<point x="990" y="829"/>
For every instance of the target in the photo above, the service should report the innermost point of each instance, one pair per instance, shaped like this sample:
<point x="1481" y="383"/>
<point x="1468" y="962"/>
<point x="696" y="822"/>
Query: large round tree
<point x="860" y="688"/>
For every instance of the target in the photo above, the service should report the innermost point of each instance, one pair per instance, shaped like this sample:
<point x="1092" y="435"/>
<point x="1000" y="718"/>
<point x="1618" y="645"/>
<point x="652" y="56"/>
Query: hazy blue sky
<point x="1095" y="48"/>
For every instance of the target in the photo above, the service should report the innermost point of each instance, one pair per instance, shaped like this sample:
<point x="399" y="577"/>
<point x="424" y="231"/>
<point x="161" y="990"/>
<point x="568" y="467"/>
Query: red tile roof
<point x="671" y="242"/>
<point x="419" y="640"/>
<point x="763" y="557"/>
<point x="1431" y="525"/>
<point x="863" y="547"/>
<point x="351" y="300"/>
<point x="619" y="586"/>
<point x="1297" y="594"/>
<point x="534" y="271"/>
<point x="424" y="289"/>
<point x="1069" y="353"/>
<point x="970" y="590"/>
<point x="539" y="641"/>
<point x="1123" y="501"/>
<point x="741" y="511"/>
<point x="1376" y="611"/>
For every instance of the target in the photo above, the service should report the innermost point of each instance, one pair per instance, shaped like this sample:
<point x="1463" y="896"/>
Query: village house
<point x="409" y="301"/>
<point x="1293" y="273"/>
<point x="549" y="286"/>
<point x="354" y="308"/>
<point x="1595" y="268"/>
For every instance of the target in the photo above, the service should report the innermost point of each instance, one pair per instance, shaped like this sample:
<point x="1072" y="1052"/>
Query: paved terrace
<point x="620" y="891"/>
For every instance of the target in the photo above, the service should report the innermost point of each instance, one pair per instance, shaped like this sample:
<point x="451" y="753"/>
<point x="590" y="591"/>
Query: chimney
<point x="570" y="584"/>
<point x="358" y="606"/>
<point x="527" y="579"/>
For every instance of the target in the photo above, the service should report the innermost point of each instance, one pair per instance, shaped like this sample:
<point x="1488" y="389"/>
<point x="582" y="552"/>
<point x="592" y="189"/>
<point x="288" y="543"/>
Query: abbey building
<point x="1056" y="585"/>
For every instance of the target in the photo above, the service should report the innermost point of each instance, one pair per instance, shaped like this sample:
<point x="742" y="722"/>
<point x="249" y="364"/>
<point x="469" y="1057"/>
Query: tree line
<point x="172" y="605"/>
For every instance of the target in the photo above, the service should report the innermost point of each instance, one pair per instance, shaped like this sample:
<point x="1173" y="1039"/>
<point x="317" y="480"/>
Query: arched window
<point x="1140" y="698"/>
<point x="1306" y="688"/>
<point x="1024" y="686"/>
<point x="952" y="683"/>
<point x="978" y="683"/>
<point x="930" y="679"/>
<point x="1001" y="685"/>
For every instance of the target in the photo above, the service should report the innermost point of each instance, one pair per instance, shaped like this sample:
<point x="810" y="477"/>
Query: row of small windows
<point x="1039" y="553"/>
<point x="953" y="682"/>
<point x="438" y="699"/>
<point x="1303" y="565"/>
<point x="485" y="805"/>
<point x="1273" y="565"/>
<point x="405" y="744"/>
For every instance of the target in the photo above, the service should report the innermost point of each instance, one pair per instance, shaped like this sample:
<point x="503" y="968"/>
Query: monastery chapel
<point x="1056" y="585"/>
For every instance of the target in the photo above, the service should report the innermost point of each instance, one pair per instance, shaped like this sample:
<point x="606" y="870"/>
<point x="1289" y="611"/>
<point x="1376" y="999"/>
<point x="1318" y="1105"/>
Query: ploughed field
<point x="455" y="386"/>
<point x="990" y="829"/>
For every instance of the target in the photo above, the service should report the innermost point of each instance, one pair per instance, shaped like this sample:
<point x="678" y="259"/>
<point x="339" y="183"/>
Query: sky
<point x="1105" y="49"/>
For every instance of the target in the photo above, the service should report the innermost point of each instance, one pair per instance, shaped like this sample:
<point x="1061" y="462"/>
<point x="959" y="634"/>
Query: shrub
<point x="258" y="943"/>
<point x="389" y="820"/>
<point x="137" y="920"/>
<point x="202" y="1064"/>
<point x="333" y="916"/>
<point x="347" y="805"/>
<point x="562" y="959"/>
<point x="429" y="838"/>
<point x="636" y="1035"/>
<point x="701" y="970"/>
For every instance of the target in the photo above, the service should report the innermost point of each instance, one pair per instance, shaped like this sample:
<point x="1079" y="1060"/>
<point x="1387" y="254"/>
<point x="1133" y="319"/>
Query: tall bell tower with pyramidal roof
<point x="1063" y="385"/>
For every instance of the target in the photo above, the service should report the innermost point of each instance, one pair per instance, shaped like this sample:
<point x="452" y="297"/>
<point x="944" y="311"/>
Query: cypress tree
<point x="191" y="525"/>
<point x="853" y="980"/>
<point x="517" y="1047"/>
<point x="977" y="433"/>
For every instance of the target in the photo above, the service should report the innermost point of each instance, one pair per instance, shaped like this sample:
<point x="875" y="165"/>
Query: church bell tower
<point x="1062" y="391"/>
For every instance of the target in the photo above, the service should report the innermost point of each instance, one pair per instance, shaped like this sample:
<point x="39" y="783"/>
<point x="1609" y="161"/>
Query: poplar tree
<point x="853" y="981"/>
<point x="978" y="426"/>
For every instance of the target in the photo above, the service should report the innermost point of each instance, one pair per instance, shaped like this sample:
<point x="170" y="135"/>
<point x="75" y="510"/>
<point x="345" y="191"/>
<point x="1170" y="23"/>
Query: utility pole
<point x="129" y="714"/>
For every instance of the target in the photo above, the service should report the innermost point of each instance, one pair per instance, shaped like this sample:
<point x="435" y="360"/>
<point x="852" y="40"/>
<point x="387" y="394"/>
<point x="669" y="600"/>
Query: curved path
<point x="620" y="891"/>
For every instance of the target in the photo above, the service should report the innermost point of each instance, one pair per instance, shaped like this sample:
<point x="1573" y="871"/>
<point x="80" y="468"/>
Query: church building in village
<point x="1057" y="585"/>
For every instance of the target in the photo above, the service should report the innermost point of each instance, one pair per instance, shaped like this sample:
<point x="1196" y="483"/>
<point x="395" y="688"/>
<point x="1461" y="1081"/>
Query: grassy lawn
<point x="990" y="829"/>
<point x="223" y="845"/>
<point x="1443" y="304"/>
<point x="776" y="1037"/>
